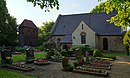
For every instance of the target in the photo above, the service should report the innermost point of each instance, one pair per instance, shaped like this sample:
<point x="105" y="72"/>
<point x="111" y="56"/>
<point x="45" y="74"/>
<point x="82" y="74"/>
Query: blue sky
<point x="21" y="9"/>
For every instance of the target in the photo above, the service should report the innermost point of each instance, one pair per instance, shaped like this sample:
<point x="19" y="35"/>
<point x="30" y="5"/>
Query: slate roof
<point x="66" y="24"/>
<point x="66" y="39"/>
<point x="28" y="23"/>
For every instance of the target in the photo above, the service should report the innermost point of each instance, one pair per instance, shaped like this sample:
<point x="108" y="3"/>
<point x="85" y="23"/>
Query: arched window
<point x="105" y="44"/>
<point x="83" y="37"/>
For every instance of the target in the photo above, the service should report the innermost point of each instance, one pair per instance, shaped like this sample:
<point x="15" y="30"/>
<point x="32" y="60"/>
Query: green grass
<point x="10" y="74"/>
<point x="39" y="55"/>
<point x="121" y="54"/>
<point x="18" y="57"/>
<point x="114" y="54"/>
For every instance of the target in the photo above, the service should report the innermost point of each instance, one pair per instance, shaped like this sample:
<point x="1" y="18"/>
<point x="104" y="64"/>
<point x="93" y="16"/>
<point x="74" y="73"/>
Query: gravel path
<point x="120" y="69"/>
<point x="54" y="71"/>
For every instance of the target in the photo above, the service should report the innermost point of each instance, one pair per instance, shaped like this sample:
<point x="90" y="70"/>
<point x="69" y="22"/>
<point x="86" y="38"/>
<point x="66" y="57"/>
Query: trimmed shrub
<point x="97" y="53"/>
<point x="83" y="49"/>
<point x="66" y="53"/>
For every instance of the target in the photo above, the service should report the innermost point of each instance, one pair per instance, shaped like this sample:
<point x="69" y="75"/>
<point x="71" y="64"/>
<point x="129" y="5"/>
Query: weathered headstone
<point x="65" y="62"/>
<point x="6" y="56"/>
<point x="30" y="55"/>
<point x="79" y="56"/>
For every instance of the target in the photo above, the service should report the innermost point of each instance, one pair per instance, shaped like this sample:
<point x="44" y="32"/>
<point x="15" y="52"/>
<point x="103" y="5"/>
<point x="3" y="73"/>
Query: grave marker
<point x="6" y="56"/>
<point x="30" y="55"/>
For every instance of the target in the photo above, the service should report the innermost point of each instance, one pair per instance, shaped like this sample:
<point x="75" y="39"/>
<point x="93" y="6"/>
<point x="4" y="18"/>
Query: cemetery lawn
<point x="20" y="57"/>
<point x="114" y="54"/>
<point x="10" y="74"/>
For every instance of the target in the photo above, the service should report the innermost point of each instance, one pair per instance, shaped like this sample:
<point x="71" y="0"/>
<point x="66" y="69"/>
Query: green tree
<point x="47" y="4"/>
<point x="3" y="18"/>
<point x="122" y="18"/>
<point x="12" y="31"/>
<point x="7" y="26"/>
<point x="45" y="32"/>
<point x="127" y="42"/>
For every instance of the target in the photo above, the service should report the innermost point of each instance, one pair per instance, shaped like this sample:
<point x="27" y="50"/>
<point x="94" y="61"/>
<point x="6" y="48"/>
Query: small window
<point x="82" y="26"/>
<point x="83" y="39"/>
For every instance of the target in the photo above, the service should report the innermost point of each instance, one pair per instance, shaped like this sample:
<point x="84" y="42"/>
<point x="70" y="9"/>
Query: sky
<point x="21" y="9"/>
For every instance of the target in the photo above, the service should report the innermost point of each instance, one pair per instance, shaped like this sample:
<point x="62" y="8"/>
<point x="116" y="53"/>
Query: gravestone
<point x="6" y="56"/>
<point x="87" y="59"/>
<point x="79" y="56"/>
<point x="65" y="62"/>
<point x="30" y="55"/>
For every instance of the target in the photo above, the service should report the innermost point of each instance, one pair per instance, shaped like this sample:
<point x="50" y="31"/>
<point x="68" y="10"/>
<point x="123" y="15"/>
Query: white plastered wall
<point x="90" y="35"/>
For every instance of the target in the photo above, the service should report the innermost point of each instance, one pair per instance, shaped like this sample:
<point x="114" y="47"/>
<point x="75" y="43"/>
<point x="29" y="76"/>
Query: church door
<point x="105" y="44"/>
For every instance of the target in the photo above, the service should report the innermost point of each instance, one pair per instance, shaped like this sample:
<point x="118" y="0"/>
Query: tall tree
<point x="12" y="30"/>
<point x="3" y="18"/>
<point x="45" y="32"/>
<point x="122" y="18"/>
<point x="7" y="26"/>
<point x="47" y="4"/>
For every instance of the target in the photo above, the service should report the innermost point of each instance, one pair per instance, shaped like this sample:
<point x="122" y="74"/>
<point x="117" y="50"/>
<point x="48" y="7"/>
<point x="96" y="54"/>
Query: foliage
<point x="70" y="68"/>
<point x="8" y="26"/>
<point x="41" y="48"/>
<point x="49" y="53"/>
<point x="45" y="4"/>
<point x="97" y="53"/>
<point x="127" y="38"/>
<point x="99" y="8"/>
<point x="57" y="54"/>
<point x="84" y="49"/>
<point x="1" y="48"/>
<point x="127" y="42"/>
<point x="54" y="53"/>
<point x="49" y="45"/>
<point x="122" y="18"/>
<point x="10" y="74"/>
<point x="20" y="49"/>
<point x="45" y="32"/>
<point x="66" y="53"/>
